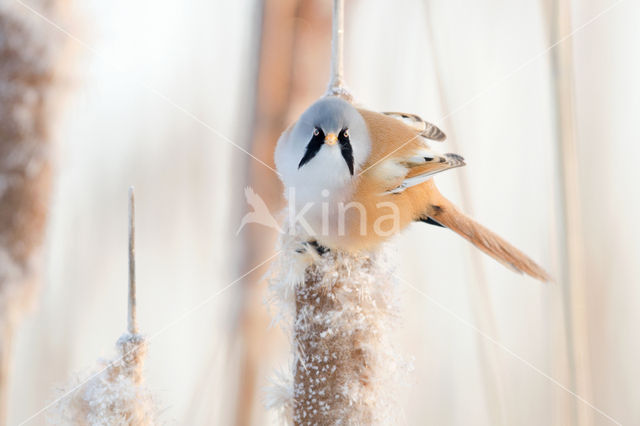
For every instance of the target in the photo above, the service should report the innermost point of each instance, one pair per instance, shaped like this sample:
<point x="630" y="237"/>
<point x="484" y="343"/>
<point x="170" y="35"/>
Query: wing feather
<point x="425" y="129"/>
<point x="401" y="156"/>
<point x="422" y="168"/>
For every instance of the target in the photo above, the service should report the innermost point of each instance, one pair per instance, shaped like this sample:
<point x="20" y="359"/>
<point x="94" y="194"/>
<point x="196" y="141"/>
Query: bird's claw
<point x="320" y="249"/>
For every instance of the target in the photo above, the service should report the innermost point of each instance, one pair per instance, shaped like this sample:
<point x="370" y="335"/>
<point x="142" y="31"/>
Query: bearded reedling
<point x="358" y="177"/>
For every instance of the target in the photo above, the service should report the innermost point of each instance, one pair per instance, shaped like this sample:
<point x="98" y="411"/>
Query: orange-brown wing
<point x="400" y="155"/>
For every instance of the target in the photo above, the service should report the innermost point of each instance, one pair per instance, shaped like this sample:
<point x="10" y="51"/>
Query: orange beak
<point x="331" y="139"/>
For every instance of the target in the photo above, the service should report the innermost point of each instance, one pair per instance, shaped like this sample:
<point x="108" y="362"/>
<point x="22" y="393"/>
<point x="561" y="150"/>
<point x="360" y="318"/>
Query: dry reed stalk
<point x="337" y="85"/>
<point x="271" y="104"/>
<point x="480" y="300"/>
<point x="29" y="83"/>
<point x="572" y="240"/>
<point x="116" y="394"/>
<point x="290" y="72"/>
<point x="340" y="309"/>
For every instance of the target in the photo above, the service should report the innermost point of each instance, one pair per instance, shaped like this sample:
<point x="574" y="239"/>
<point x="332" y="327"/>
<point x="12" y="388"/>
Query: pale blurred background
<point x="161" y="90"/>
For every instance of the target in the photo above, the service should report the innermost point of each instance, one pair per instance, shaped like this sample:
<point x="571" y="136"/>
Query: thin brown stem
<point x="482" y="308"/>
<point x="336" y="83"/>
<point x="571" y="240"/>
<point x="132" y="323"/>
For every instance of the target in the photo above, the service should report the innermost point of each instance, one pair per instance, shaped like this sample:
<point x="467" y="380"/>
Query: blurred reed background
<point x="156" y="95"/>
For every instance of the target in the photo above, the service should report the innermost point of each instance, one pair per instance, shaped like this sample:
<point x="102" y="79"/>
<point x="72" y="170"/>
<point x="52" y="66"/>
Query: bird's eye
<point x="316" y="132"/>
<point x="346" y="133"/>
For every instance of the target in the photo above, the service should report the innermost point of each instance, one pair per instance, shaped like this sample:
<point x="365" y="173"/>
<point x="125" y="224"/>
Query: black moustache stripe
<point x="316" y="142"/>
<point x="313" y="147"/>
<point x="347" y="151"/>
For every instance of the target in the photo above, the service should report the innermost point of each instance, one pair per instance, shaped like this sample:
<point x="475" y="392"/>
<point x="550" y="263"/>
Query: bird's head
<point x="325" y="149"/>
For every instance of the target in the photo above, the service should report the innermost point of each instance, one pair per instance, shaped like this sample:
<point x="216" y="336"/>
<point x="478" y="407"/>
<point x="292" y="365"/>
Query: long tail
<point x="446" y="214"/>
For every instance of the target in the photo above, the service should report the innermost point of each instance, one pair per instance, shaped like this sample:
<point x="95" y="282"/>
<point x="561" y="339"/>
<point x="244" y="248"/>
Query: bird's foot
<point x="320" y="249"/>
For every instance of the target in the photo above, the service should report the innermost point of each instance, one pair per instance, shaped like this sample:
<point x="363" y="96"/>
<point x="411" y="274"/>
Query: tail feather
<point x="448" y="215"/>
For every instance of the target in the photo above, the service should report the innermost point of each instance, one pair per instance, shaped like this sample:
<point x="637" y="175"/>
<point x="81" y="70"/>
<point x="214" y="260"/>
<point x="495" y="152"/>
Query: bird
<point x="260" y="213"/>
<point x="354" y="178"/>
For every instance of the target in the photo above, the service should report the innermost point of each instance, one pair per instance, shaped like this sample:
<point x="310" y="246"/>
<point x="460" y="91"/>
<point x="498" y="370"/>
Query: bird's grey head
<point x="327" y="146"/>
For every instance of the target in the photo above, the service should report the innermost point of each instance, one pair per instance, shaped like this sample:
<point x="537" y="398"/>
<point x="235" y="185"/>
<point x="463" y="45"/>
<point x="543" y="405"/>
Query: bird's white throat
<point x="315" y="207"/>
